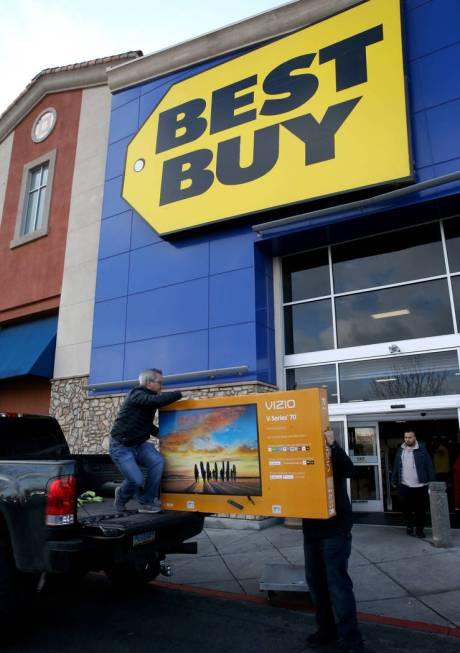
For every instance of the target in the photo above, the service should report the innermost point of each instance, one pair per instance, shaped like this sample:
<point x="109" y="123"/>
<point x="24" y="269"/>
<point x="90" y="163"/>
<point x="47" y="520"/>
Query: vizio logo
<point x="280" y="404"/>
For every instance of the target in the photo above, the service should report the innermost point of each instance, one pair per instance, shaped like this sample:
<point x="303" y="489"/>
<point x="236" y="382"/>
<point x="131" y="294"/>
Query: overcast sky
<point x="38" y="34"/>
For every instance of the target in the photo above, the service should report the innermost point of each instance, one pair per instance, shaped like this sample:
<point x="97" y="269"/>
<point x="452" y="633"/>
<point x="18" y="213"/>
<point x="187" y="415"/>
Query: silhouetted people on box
<point x="203" y="471"/>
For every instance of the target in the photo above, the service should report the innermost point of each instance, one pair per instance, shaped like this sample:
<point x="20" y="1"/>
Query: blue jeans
<point x="128" y="461"/>
<point x="326" y="571"/>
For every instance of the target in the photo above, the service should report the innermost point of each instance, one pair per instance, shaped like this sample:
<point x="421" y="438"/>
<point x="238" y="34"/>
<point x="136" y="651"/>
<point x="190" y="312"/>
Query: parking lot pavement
<point x="92" y="617"/>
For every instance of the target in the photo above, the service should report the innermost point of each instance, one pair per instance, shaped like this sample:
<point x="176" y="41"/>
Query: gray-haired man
<point x="129" y="448"/>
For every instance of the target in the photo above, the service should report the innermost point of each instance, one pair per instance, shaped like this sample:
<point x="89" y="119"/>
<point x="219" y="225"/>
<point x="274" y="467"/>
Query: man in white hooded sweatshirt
<point x="412" y="471"/>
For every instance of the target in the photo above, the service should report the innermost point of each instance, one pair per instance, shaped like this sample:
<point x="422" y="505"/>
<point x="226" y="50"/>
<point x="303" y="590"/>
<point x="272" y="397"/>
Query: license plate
<point x="143" y="538"/>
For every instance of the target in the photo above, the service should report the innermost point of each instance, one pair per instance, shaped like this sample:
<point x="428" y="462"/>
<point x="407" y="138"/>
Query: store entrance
<point x="440" y="436"/>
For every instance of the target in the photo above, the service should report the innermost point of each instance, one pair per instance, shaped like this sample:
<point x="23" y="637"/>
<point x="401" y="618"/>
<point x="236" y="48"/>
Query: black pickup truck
<point x="43" y="531"/>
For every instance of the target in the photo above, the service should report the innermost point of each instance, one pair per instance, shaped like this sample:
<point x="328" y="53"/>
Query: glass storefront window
<point x="316" y="376"/>
<point x="308" y="327"/>
<point x="452" y="234"/>
<point x="396" y="257"/>
<point x="306" y="276"/>
<point x="420" y="375"/>
<point x="362" y="441"/>
<point x="456" y="294"/>
<point x="400" y="313"/>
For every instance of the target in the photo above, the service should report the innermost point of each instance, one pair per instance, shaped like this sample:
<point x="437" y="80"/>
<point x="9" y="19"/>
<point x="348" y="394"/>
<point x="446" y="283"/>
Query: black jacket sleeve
<point x="155" y="401"/>
<point x="341" y="463"/>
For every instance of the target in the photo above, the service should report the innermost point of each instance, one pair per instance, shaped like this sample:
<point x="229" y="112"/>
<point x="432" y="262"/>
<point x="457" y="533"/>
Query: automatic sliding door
<point x="366" y="486"/>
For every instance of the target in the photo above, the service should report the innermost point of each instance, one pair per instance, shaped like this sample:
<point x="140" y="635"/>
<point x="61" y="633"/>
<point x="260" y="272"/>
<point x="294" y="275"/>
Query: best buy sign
<point x="315" y="113"/>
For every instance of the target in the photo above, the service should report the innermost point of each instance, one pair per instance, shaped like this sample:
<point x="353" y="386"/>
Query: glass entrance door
<point x="363" y="449"/>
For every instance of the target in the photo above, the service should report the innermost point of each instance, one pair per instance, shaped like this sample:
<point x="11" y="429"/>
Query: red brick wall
<point x="31" y="275"/>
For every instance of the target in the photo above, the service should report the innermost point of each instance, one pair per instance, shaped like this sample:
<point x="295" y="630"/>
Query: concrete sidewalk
<point x="394" y="575"/>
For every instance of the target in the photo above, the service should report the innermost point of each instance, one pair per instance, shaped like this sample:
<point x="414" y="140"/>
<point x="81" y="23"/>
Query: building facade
<point x="281" y="211"/>
<point x="52" y="156"/>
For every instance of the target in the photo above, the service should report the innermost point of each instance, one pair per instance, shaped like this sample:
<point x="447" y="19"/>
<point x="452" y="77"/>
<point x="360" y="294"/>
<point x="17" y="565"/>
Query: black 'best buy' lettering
<point x="188" y="175"/>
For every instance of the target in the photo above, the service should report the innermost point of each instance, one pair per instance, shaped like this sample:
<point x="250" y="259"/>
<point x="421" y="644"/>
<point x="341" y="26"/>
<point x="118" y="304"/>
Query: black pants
<point x="326" y="571"/>
<point x="413" y="505"/>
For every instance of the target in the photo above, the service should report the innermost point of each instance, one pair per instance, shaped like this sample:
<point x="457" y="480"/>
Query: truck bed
<point x="104" y="513"/>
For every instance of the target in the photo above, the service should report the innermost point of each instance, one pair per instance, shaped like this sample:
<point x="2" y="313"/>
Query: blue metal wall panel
<point x="112" y="277"/>
<point x="164" y="264"/>
<point x="115" y="235"/>
<point x="421" y="144"/>
<point x="113" y="202"/>
<point x="231" y="250"/>
<point x="142" y="233"/>
<point x="233" y="345"/>
<point x="124" y="121"/>
<point x="433" y="51"/>
<point x="437" y="74"/>
<point x="109" y="322"/>
<point x="445" y="143"/>
<point x="264" y="300"/>
<point x="265" y="351"/>
<point x="116" y="158"/>
<point x="187" y="352"/>
<point x="447" y="167"/>
<point x="121" y="98"/>
<point x="232" y="298"/>
<point x="434" y="25"/>
<point x="149" y="101"/>
<point x="107" y="364"/>
<point x="413" y="4"/>
<point x="175" y="309"/>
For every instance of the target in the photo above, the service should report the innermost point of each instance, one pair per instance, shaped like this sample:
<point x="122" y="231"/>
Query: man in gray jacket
<point x="412" y="471"/>
<point x="129" y="448"/>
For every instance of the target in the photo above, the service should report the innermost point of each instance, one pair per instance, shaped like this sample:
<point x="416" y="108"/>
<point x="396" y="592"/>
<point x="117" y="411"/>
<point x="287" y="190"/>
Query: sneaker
<point x="409" y="530"/>
<point x="320" y="639"/>
<point x="420" y="534"/>
<point x="118" y="504"/>
<point x="149" y="508"/>
<point x="157" y="502"/>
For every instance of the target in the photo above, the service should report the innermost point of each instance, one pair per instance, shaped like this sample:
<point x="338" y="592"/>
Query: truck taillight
<point x="61" y="501"/>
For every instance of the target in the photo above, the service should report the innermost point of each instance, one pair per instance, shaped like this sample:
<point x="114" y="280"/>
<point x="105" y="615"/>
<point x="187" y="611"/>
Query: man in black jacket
<point x="327" y="547"/>
<point x="412" y="472"/>
<point x="129" y="447"/>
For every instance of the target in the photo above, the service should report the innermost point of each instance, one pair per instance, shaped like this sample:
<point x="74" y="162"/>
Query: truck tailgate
<point x="96" y="520"/>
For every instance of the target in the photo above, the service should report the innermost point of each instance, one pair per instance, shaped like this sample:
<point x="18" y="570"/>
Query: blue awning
<point x="28" y="348"/>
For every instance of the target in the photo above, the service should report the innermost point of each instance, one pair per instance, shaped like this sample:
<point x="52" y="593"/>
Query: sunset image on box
<point x="211" y="451"/>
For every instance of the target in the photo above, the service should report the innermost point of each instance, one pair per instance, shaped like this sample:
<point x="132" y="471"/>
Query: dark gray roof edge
<point x="251" y="31"/>
<point x="53" y="80"/>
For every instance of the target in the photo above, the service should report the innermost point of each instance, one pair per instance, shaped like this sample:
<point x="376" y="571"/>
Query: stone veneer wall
<point x="86" y="421"/>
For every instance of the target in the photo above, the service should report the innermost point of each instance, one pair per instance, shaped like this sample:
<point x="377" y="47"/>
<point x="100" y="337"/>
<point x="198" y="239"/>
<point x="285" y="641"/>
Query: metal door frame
<point x="372" y="505"/>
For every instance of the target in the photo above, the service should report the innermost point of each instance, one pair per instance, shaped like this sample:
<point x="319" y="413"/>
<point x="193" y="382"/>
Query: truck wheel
<point x="128" y="575"/>
<point x="9" y="580"/>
